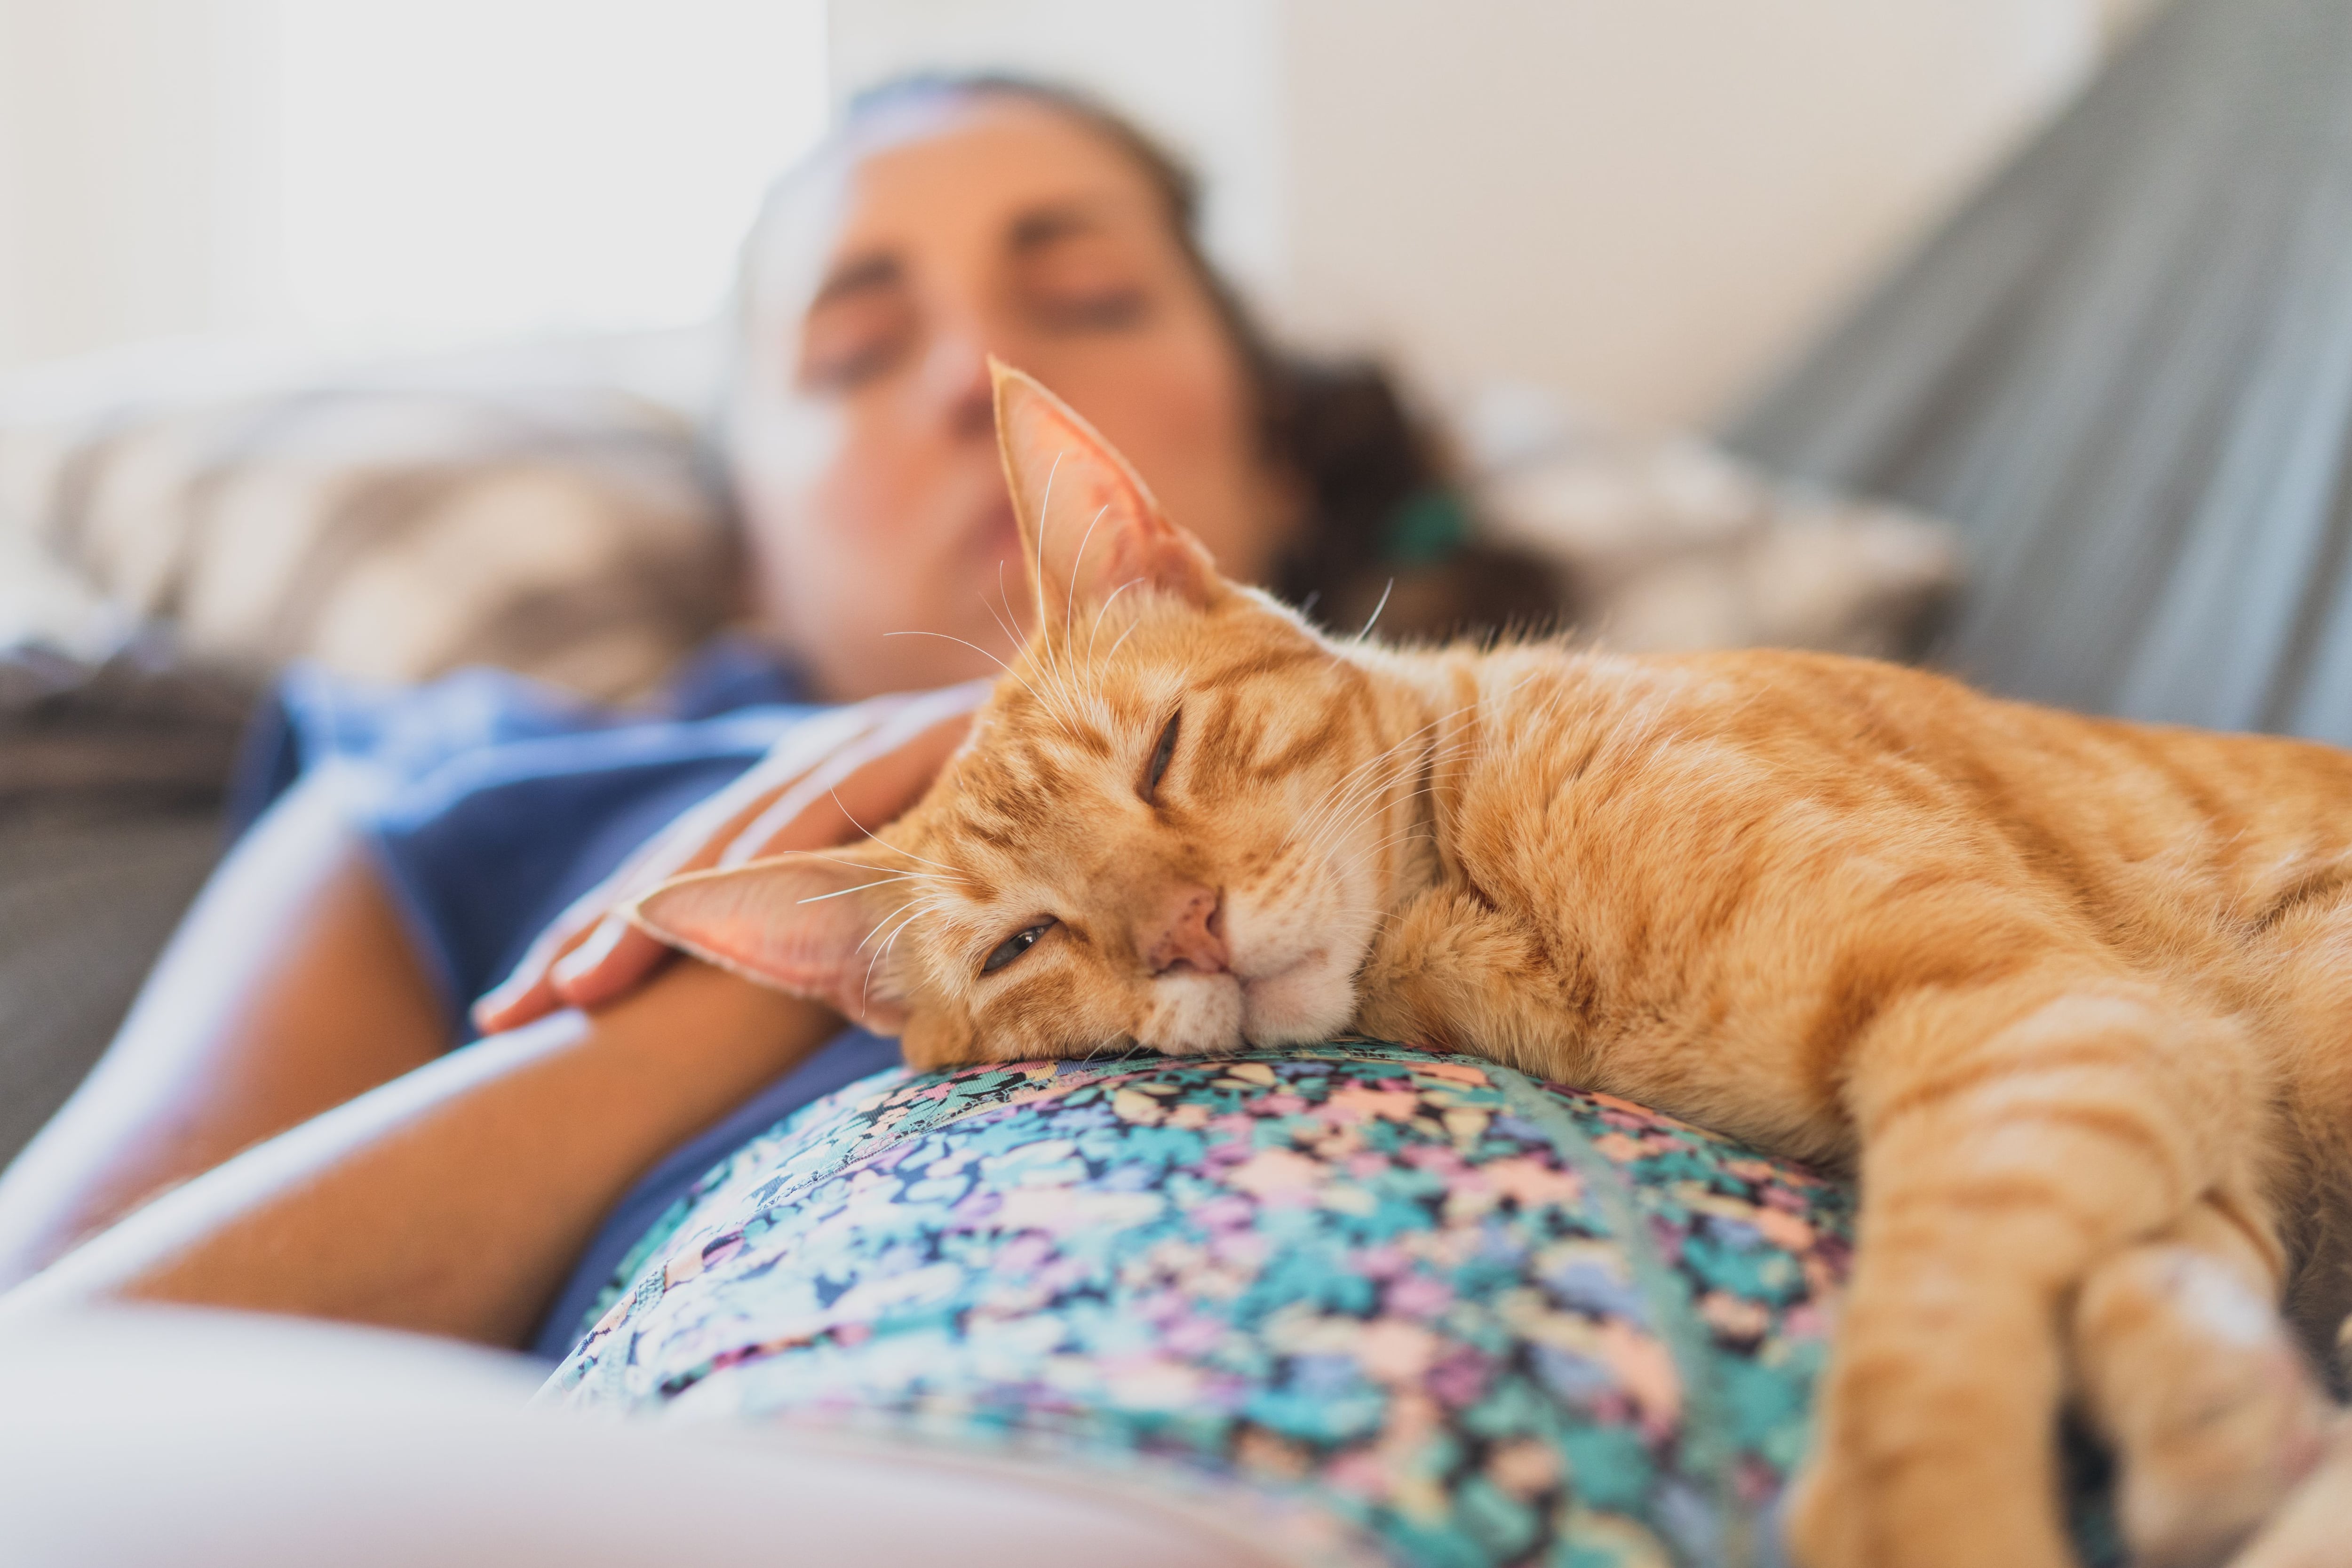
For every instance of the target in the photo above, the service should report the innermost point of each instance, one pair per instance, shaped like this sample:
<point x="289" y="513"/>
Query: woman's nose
<point x="957" y="377"/>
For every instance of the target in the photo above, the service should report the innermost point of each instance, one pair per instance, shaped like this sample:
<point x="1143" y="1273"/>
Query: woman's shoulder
<point x="496" y="800"/>
<point x="493" y="722"/>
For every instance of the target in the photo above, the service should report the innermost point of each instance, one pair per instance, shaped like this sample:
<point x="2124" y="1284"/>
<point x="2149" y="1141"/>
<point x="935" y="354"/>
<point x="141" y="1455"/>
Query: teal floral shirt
<point x="1420" y="1306"/>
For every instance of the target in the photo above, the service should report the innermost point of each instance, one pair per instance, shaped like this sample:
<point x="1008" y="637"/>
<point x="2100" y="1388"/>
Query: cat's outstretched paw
<point x="2197" y="1381"/>
<point x="1865" y="1504"/>
<point x="1820" y="1535"/>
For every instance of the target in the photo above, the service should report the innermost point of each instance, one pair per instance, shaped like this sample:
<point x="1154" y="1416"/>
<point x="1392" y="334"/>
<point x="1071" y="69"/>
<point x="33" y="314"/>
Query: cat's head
<point x="1174" y="823"/>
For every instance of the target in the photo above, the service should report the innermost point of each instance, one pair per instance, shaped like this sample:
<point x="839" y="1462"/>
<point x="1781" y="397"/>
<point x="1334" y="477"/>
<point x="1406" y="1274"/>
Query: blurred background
<point x="1641" y="205"/>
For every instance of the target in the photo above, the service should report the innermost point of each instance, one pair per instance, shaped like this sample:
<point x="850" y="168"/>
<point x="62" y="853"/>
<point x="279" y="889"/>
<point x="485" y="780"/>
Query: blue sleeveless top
<point x="508" y="801"/>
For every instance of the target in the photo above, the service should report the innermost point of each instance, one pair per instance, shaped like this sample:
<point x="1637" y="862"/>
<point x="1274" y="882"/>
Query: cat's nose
<point x="1185" y="930"/>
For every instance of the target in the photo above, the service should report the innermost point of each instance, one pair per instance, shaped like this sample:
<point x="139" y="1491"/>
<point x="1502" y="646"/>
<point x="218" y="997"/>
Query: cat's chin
<point x="1194" y="1015"/>
<point x="1310" y="1001"/>
<point x="1205" y="1015"/>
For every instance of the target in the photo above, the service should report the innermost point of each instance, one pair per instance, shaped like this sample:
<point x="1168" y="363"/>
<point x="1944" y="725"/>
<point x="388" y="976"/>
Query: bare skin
<point x="453" y="1199"/>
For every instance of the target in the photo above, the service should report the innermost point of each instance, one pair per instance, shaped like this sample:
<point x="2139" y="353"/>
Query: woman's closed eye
<point x="861" y="328"/>
<point x="1079" y="279"/>
<point x="1094" y="309"/>
<point x="1014" y="946"/>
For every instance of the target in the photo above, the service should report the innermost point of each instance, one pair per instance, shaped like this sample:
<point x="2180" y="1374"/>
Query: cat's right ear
<point x="802" y="923"/>
<point x="1089" y="527"/>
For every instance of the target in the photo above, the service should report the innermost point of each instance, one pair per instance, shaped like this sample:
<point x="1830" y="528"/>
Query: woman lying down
<point x="1233" y="1205"/>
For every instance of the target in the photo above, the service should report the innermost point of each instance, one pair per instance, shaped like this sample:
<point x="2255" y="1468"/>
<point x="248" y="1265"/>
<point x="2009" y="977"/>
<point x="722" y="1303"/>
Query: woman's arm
<point x="453" y="1200"/>
<point x="290" y="987"/>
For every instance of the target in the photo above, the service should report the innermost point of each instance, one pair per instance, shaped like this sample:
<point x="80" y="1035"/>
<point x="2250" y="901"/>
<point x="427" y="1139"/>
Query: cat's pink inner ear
<point x="797" y="923"/>
<point x="1089" y="526"/>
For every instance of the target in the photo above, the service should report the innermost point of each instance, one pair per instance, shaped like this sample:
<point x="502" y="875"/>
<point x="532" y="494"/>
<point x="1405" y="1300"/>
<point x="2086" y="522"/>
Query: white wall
<point x="130" y="201"/>
<point x="1640" y="204"/>
<point x="385" y="173"/>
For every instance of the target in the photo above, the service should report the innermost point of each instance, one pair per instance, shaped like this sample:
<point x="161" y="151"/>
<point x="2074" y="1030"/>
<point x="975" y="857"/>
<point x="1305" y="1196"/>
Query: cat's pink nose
<point x="1185" y="931"/>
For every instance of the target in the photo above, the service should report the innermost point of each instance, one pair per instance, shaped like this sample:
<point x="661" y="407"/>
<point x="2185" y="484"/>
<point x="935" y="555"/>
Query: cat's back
<point x="1693" y="762"/>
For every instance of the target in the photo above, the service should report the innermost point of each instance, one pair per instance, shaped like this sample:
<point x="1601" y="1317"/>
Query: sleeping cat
<point x="2069" y="996"/>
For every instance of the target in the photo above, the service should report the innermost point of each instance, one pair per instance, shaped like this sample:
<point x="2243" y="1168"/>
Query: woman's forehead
<point x="972" y="178"/>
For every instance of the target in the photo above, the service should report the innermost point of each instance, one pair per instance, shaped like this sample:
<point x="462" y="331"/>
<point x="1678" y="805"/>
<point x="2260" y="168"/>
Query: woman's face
<point x="861" y="437"/>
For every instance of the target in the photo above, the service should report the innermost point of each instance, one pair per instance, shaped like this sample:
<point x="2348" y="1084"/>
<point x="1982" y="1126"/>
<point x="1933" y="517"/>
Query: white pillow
<point x="395" y="523"/>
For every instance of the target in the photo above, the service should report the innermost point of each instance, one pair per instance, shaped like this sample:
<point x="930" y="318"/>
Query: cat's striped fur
<point x="2071" y="996"/>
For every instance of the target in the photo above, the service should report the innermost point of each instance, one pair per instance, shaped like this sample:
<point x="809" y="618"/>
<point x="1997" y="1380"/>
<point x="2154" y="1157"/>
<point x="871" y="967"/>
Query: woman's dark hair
<point x="1386" y="531"/>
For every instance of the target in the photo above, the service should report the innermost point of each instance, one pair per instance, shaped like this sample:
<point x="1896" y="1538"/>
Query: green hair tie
<point x="1426" y="527"/>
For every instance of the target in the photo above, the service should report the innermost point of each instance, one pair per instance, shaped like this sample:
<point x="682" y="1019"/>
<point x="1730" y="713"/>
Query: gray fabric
<point x="2125" y="370"/>
<point x="142" y="719"/>
<point x="111" y="776"/>
<point x="89" y="892"/>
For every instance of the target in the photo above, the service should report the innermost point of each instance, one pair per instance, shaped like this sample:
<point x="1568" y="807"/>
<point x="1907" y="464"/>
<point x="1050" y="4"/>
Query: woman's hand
<point x="823" y="784"/>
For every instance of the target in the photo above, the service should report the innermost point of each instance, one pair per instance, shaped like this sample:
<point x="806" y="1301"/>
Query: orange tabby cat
<point x="2069" y="996"/>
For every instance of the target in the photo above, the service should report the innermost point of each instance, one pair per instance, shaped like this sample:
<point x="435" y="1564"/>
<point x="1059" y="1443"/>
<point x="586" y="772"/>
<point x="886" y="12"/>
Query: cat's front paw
<point x="1822" y="1533"/>
<point x="1838" y="1517"/>
<point x="1909" y="1469"/>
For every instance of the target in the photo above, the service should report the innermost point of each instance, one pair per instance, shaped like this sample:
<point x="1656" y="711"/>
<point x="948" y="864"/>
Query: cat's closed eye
<point x="1162" y="755"/>
<point x="1014" y="946"/>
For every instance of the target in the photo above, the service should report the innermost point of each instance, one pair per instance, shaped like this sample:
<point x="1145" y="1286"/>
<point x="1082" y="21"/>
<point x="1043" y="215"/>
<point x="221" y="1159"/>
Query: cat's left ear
<point x="803" y="923"/>
<point x="1089" y="526"/>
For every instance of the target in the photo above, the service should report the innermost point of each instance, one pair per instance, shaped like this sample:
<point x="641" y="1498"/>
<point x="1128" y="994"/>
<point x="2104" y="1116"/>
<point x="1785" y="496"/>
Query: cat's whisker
<point x="1323" y="843"/>
<point x="1103" y="609"/>
<point x="884" y="951"/>
<point x="1003" y="622"/>
<point x="1365" y="776"/>
<point x="862" y="887"/>
<point x="844" y="860"/>
<point x="1295" y="862"/>
<point x="1049" y="667"/>
<point x="1011" y="672"/>
<point x="1070" y="607"/>
<point x="1378" y="757"/>
<point x="1308" y="824"/>
<point x="1122" y="639"/>
<point x="866" y="988"/>
<point x="953" y="871"/>
<point x="1045" y="514"/>
<point x="1417" y="831"/>
<point x="884" y="921"/>
<point x="1357" y="783"/>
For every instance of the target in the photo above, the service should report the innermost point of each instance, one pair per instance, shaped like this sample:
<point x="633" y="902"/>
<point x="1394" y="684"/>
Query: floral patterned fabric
<point x="1444" y="1310"/>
